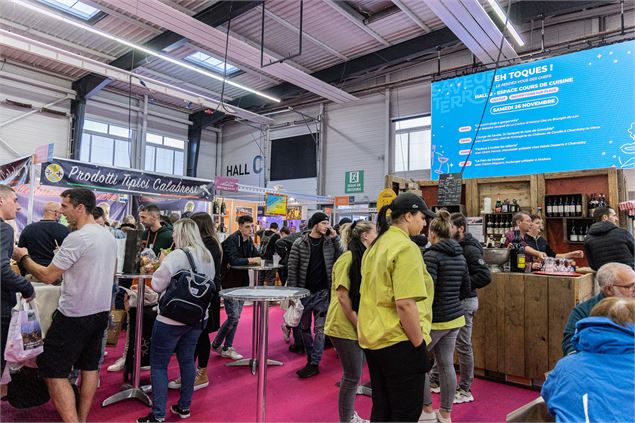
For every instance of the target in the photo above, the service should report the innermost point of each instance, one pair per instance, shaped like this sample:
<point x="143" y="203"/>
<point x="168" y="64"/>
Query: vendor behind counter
<point x="535" y="240"/>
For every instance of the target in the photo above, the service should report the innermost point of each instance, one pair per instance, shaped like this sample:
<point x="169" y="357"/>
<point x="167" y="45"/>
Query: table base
<point x="253" y="363"/>
<point x="132" y="393"/>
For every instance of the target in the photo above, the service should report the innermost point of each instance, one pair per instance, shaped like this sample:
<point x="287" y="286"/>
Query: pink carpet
<point x="231" y="396"/>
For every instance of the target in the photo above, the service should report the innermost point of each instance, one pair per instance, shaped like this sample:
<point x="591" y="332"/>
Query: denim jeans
<point x="352" y="359"/>
<point x="442" y="346"/>
<point x="167" y="339"/>
<point x="315" y="305"/>
<point x="227" y="331"/>
<point x="463" y="348"/>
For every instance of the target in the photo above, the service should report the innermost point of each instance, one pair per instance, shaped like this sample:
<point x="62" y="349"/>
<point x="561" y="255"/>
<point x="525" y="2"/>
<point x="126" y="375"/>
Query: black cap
<point x="409" y="202"/>
<point x="344" y="221"/>
<point x="317" y="218"/>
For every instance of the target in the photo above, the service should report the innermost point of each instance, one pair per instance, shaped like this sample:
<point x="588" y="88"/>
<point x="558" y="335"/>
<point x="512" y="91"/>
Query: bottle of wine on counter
<point x="499" y="205"/>
<point x="223" y="207"/>
<point x="517" y="254"/>
<point x="515" y="206"/>
<point x="215" y="207"/>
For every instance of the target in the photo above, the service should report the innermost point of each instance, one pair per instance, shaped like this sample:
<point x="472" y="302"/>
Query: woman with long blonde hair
<point x="169" y="336"/>
<point x="341" y="319"/>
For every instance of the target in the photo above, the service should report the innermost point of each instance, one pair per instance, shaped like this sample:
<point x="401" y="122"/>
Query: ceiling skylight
<point x="75" y="8"/>
<point x="212" y="63"/>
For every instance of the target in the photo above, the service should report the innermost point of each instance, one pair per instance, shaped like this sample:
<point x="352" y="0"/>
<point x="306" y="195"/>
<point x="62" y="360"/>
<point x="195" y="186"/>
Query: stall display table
<point x="517" y="331"/>
<point x="136" y="391"/>
<point x="262" y="296"/>
<point x="251" y="362"/>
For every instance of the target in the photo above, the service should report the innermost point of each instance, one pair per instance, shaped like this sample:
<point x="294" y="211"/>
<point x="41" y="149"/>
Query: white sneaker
<point x="145" y="368"/>
<point x="435" y="388"/>
<point x="462" y="396"/>
<point x="231" y="353"/>
<point x="357" y="419"/>
<point x="427" y="417"/>
<point x="175" y="384"/>
<point x="442" y="419"/>
<point x="285" y="333"/>
<point x="118" y="365"/>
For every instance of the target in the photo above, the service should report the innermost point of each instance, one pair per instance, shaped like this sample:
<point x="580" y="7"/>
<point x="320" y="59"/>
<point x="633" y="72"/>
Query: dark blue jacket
<point x="448" y="268"/>
<point x="236" y="252"/>
<point x="601" y="375"/>
<point x="578" y="313"/>
<point x="10" y="282"/>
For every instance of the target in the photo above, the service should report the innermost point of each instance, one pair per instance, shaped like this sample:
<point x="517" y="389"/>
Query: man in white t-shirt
<point x="86" y="260"/>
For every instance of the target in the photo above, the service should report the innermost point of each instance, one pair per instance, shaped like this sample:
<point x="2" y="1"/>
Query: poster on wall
<point x="275" y="204"/>
<point x="294" y="213"/>
<point x="570" y="112"/>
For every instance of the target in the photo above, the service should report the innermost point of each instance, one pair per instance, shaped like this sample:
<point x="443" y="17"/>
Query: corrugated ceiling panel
<point x="396" y="28"/>
<point x="419" y="8"/>
<point x="373" y="6"/>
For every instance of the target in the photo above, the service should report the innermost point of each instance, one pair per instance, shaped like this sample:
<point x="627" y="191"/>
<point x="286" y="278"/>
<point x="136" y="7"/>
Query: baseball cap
<point x="409" y="202"/>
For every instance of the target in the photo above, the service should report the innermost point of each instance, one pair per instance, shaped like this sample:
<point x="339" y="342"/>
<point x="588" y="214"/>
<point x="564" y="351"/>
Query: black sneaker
<point x="181" y="412"/>
<point x="149" y="418"/>
<point x="308" y="371"/>
<point x="298" y="349"/>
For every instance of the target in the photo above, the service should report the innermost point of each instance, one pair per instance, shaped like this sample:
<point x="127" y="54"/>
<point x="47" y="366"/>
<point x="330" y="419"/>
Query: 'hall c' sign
<point x="242" y="169"/>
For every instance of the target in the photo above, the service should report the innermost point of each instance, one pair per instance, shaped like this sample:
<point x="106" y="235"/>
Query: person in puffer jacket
<point x="606" y="242"/>
<point x="598" y="383"/>
<point x="447" y="266"/>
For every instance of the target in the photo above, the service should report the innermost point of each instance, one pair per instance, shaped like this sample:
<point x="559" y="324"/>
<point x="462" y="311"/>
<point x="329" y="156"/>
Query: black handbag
<point x="27" y="389"/>
<point x="188" y="296"/>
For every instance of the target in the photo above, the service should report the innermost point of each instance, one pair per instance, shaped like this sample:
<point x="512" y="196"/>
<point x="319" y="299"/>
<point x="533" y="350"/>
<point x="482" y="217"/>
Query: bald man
<point x="43" y="237"/>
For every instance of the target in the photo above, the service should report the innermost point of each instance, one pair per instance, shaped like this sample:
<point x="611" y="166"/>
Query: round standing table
<point x="136" y="390"/>
<point x="251" y="362"/>
<point x="261" y="297"/>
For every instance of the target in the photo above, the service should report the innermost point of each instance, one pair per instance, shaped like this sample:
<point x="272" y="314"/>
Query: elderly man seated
<point x="615" y="280"/>
<point x="598" y="383"/>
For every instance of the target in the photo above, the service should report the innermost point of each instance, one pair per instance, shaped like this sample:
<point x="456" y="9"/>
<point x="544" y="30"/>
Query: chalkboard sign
<point x="449" y="189"/>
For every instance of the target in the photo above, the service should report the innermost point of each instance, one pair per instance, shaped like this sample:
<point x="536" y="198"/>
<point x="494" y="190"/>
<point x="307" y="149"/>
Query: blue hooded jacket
<point x="598" y="383"/>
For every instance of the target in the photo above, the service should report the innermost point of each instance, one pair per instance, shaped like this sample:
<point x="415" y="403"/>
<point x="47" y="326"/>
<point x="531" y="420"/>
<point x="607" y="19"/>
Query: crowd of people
<point x="380" y="293"/>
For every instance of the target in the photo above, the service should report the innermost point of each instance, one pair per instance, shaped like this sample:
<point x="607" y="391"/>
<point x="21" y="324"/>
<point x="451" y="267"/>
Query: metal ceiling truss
<point x="239" y="52"/>
<point x="349" y="13"/>
<point x="53" y="53"/>
<point x="469" y="21"/>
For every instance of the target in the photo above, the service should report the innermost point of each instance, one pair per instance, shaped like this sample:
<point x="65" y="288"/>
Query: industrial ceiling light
<point x="501" y="15"/>
<point x="141" y="48"/>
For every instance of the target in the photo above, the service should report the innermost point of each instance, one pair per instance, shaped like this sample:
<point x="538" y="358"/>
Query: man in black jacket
<point x="238" y="250"/>
<point x="310" y="266"/>
<point x="606" y="242"/>
<point x="43" y="237"/>
<point x="267" y="250"/>
<point x="11" y="282"/>
<point x="480" y="276"/>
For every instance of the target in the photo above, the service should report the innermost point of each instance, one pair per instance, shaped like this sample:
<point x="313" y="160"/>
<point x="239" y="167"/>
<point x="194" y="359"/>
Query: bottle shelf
<point x="568" y="218"/>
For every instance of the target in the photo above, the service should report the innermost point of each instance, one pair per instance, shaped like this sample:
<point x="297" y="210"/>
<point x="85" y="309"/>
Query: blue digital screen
<point x="571" y="112"/>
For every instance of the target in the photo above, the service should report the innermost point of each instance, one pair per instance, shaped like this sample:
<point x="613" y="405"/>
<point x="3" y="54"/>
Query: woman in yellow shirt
<point x="341" y="319"/>
<point x="395" y="312"/>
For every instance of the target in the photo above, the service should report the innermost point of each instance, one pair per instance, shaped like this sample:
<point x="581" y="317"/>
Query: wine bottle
<point x="490" y="225"/>
<point x="550" y="207"/>
<point x="499" y="206"/>
<point x="560" y="212"/>
<point x="223" y="207"/>
<point x="505" y="206"/>
<point x="573" y="236"/>
<point x="515" y="206"/>
<point x="578" y="207"/>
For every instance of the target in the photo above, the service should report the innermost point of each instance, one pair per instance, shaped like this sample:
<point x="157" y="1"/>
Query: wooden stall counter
<point x="517" y="332"/>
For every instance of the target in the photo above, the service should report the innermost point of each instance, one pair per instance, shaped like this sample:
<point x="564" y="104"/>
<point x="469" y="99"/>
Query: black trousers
<point x="397" y="377"/>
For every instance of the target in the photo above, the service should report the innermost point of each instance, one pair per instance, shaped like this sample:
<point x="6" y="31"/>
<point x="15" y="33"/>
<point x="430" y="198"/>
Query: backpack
<point x="264" y="244"/>
<point x="188" y="295"/>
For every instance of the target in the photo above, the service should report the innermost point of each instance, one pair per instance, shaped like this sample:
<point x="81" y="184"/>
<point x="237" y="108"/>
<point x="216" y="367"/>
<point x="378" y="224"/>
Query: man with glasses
<point x="615" y="280"/>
